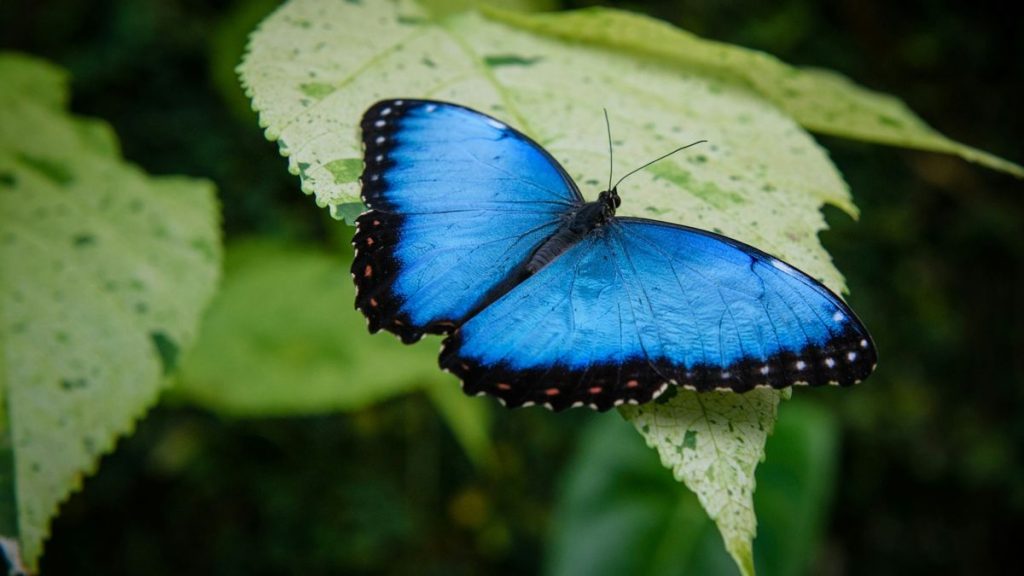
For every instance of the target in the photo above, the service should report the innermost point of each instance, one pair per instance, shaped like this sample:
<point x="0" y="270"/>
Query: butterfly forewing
<point x="457" y="201"/>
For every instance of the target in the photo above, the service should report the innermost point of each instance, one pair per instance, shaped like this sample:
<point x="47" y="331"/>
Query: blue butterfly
<point x="474" y="231"/>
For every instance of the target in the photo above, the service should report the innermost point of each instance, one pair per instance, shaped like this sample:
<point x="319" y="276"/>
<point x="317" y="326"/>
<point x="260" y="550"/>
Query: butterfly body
<point x="578" y="225"/>
<point x="475" y="232"/>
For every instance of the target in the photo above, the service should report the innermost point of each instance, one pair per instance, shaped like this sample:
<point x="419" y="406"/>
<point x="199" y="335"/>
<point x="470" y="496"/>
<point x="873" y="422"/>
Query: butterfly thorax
<point x="577" y="225"/>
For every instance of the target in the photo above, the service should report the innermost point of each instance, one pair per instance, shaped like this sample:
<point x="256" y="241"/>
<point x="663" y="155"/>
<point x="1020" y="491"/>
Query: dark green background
<point x="929" y="476"/>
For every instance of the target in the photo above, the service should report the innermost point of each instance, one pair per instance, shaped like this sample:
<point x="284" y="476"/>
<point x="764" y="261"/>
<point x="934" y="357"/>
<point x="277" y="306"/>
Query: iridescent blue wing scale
<point x="638" y="305"/>
<point x="458" y="201"/>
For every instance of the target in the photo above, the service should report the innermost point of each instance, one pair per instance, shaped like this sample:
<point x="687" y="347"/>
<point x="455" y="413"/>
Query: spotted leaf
<point x="105" y="271"/>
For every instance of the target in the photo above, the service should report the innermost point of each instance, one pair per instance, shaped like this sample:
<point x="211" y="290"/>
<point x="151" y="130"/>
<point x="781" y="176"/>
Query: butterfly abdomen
<point x="552" y="248"/>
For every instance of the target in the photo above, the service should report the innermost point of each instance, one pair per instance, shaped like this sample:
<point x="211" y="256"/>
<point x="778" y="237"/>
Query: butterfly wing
<point x="458" y="201"/>
<point x="638" y="304"/>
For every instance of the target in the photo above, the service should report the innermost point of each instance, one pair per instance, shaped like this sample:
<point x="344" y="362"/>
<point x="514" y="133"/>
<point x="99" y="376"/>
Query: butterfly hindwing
<point x="458" y="201"/>
<point x="638" y="305"/>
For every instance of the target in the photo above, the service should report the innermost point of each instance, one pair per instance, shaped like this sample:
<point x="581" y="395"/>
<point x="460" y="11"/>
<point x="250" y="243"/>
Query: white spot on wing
<point x="496" y="124"/>
<point x="782" y="265"/>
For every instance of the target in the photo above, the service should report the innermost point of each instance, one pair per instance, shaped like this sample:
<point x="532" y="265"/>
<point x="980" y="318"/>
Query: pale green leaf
<point x="761" y="178"/>
<point x="819" y="100"/>
<point x="28" y="77"/>
<point x="105" y="271"/>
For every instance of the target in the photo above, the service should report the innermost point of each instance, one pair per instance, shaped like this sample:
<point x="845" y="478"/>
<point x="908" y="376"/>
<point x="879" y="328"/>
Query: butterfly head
<point x="609" y="200"/>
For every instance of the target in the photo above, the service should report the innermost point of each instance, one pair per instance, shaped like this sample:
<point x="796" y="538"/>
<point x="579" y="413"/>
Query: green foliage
<point x="819" y="100"/>
<point x="933" y="263"/>
<point x="758" y="159"/>
<point x="621" y="513"/>
<point x="469" y="420"/>
<point x="713" y="442"/>
<point x="105" y="271"/>
<point x="227" y="45"/>
<point x="282" y="338"/>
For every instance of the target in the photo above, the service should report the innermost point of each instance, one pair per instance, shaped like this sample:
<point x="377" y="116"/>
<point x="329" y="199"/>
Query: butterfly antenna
<point x="658" y="159"/>
<point x="611" y="156"/>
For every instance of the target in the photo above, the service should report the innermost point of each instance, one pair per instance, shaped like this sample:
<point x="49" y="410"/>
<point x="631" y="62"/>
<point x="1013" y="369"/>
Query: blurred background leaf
<point x="227" y="46"/>
<point x="282" y="338"/>
<point x="620" y="512"/>
<point x="105" y="271"/>
<point x="713" y="442"/>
